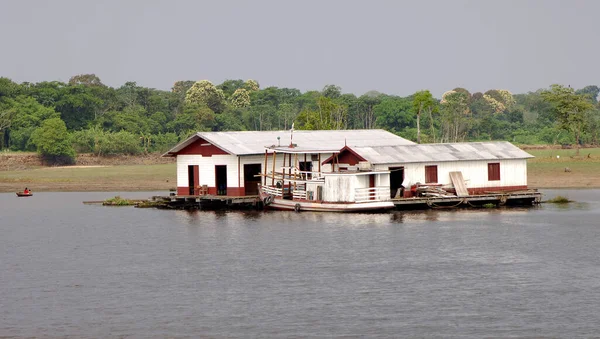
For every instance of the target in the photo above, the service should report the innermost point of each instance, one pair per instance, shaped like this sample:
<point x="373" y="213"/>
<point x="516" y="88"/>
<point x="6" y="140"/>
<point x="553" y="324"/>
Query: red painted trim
<point x="346" y="156"/>
<point x="197" y="148"/>
<point x="481" y="190"/>
<point x="236" y="191"/>
<point x="197" y="179"/>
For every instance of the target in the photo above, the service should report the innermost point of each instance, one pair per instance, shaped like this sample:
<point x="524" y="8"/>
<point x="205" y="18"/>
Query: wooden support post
<point x="319" y="163"/>
<point x="265" y="169"/>
<point x="273" y="172"/>
<point x="290" y="170"/>
<point x="306" y="174"/>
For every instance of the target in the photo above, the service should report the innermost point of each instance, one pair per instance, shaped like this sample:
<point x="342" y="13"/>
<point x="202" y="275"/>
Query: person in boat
<point x="26" y="191"/>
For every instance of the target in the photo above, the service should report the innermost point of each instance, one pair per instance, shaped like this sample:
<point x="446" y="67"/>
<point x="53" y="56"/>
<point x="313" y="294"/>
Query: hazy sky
<point x="395" y="47"/>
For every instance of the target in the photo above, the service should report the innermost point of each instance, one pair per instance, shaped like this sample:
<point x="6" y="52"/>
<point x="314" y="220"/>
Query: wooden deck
<point x="207" y="201"/>
<point x="515" y="198"/>
<point x="522" y="198"/>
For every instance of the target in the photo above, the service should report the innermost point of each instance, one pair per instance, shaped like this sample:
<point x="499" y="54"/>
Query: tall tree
<point x="570" y="109"/>
<point x="230" y="86"/>
<point x="423" y="101"/>
<point x="332" y="91"/>
<point x="204" y="92"/>
<point x="86" y="80"/>
<point x="590" y="92"/>
<point x="455" y="112"/>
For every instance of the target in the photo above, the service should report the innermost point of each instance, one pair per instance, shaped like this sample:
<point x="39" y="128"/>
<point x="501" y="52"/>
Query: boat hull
<point x="298" y="206"/>
<point x="21" y="194"/>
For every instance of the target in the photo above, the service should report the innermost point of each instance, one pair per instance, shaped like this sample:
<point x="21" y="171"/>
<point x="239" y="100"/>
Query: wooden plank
<point x="459" y="184"/>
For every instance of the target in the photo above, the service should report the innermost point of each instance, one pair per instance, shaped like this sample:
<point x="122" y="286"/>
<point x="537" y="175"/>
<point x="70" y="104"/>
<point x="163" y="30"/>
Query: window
<point x="431" y="174"/>
<point x="494" y="171"/>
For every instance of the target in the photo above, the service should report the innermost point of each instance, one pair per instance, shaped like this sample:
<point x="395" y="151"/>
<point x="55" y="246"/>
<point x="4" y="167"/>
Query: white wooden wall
<point x="341" y="187"/>
<point x="512" y="172"/>
<point x="206" y="167"/>
<point x="235" y="178"/>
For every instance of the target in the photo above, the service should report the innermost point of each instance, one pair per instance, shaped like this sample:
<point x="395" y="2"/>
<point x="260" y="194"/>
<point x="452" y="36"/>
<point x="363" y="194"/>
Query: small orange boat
<point x="23" y="194"/>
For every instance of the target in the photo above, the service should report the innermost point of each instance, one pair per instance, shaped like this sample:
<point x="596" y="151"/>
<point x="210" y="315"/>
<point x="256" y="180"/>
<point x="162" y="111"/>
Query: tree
<point x="52" y="141"/>
<point x="251" y="85"/>
<point x="204" y="92"/>
<point x="590" y="92"/>
<point x="240" y="98"/>
<point x="331" y="91"/>
<point x="570" y="109"/>
<point x="86" y="80"/>
<point x="78" y="106"/>
<point x="194" y="118"/>
<point x="230" y="86"/>
<point x="393" y="113"/>
<point x="8" y="88"/>
<point x="455" y="110"/>
<point x="423" y="101"/>
<point x="27" y="115"/>
<point x="6" y="117"/>
<point x="366" y="113"/>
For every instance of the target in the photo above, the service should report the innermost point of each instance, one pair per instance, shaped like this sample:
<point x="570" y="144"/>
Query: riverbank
<point x="551" y="168"/>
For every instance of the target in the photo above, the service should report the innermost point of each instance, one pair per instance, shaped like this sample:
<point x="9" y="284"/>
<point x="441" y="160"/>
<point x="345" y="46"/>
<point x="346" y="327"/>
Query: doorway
<point x="251" y="180"/>
<point x="193" y="179"/>
<point x="221" y="179"/>
<point x="396" y="180"/>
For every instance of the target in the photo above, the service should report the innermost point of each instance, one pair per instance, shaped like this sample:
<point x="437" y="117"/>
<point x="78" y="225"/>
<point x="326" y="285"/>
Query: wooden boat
<point x="23" y="194"/>
<point x="296" y="187"/>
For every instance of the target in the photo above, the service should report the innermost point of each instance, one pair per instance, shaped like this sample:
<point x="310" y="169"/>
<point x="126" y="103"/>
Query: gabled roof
<point x="492" y="150"/>
<point x="254" y="142"/>
<point x="344" y="150"/>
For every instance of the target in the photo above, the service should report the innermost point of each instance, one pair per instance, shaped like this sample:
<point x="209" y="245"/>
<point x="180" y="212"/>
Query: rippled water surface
<point x="69" y="269"/>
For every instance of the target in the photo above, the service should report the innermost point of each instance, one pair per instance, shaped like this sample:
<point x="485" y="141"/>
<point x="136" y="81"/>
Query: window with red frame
<point x="493" y="171"/>
<point x="431" y="174"/>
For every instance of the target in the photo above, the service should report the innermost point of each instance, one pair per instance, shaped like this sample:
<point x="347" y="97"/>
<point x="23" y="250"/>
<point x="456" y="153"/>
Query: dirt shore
<point x="151" y="172"/>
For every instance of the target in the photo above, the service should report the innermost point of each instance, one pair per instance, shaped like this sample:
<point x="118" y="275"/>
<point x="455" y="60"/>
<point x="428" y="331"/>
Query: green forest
<point x="59" y="119"/>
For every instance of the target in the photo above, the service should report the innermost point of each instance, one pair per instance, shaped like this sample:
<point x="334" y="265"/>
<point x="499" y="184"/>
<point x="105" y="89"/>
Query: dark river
<point x="74" y="270"/>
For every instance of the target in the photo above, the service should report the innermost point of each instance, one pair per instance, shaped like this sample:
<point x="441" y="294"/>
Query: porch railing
<point x="278" y="192"/>
<point x="372" y="194"/>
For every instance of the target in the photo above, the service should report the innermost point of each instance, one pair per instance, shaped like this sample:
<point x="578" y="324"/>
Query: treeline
<point x="60" y="119"/>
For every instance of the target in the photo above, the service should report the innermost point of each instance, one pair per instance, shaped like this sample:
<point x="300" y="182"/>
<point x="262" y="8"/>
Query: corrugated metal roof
<point x="254" y="142"/>
<point x="493" y="150"/>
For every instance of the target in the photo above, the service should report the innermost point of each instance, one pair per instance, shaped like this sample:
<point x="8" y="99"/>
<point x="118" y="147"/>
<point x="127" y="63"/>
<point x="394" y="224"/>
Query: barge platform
<point x="207" y="201"/>
<point x="514" y="198"/>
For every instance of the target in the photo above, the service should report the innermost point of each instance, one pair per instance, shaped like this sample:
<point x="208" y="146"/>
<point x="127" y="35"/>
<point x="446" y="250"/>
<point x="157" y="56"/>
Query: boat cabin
<point x="321" y="188"/>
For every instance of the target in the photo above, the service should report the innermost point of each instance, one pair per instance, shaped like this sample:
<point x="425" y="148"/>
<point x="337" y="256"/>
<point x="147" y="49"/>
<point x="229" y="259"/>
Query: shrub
<point x="559" y="200"/>
<point x="53" y="142"/>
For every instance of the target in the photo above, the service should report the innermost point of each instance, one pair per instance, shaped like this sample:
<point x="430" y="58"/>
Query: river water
<point x="74" y="270"/>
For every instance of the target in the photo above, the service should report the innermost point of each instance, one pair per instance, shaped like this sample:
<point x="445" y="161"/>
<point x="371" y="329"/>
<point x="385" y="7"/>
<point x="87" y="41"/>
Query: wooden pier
<point x="207" y="201"/>
<point x="515" y="198"/>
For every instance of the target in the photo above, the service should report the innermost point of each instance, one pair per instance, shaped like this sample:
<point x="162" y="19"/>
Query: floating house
<point x="349" y="170"/>
<point x="230" y="163"/>
<point x="473" y="167"/>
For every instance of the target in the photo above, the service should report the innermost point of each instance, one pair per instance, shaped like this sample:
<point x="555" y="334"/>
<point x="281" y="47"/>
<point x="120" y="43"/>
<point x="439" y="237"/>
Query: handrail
<point x="380" y="193"/>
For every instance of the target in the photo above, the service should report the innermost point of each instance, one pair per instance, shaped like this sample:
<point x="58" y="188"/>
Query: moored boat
<point x="296" y="187"/>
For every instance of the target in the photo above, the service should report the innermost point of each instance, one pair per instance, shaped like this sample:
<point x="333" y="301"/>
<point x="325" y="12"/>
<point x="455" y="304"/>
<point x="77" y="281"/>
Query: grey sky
<point x="396" y="47"/>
